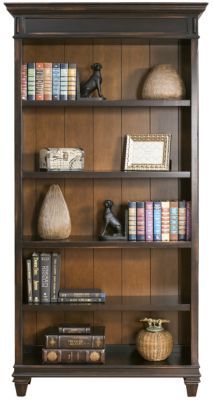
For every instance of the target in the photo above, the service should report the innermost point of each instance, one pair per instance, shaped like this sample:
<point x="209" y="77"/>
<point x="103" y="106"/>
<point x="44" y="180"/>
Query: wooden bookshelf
<point x="158" y="279"/>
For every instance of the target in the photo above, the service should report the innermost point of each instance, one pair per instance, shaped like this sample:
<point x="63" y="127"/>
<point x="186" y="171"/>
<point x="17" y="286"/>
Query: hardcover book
<point x="165" y="220"/>
<point x="81" y="300"/>
<point x="157" y="221"/>
<point x="29" y="280"/>
<point x="56" y="81"/>
<point x="132" y="220"/>
<point x="149" y="221"/>
<point x="182" y="220"/>
<point x="45" y="268"/>
<point x="71" y="81"/>
<point x="55" y="277"/>
<point x="140" y="212"/>
<point x="64" y="81"/>
<point x="36" y="277"/>
<point x="31" y="81"/>
<point x="188" y="220"/>
<point x="74" y="328"/>
<point x="47" y="81"/>
<point x="74" y="356"/>
<point x="174" y="220"/>
<point x="96" y="339"/>
<point x="77" y="293"/>
<point x="39" y="81"/>
<point x="24" y="81"/>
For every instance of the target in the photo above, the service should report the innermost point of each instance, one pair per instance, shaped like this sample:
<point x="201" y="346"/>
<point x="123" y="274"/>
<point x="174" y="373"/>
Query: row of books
<point x="159" y="220"/>
<point x="43" y="283"/>
<point x="49" y="81"/>
<point x="74" y="344"/>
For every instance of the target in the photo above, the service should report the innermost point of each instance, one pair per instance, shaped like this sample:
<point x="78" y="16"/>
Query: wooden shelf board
<point x="90" y="242"/>
<point x="117" y="303"/>
<point x="107" y="103"/>
<point x="105" y="174"/>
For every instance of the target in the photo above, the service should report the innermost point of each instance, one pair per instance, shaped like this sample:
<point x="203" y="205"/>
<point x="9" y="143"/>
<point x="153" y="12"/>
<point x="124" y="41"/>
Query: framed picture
<point x="147" y="152"/>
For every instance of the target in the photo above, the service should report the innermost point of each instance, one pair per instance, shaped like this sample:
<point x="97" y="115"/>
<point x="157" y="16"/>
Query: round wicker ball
<point x="154" y="346"/>
<point x="163" y="82"/>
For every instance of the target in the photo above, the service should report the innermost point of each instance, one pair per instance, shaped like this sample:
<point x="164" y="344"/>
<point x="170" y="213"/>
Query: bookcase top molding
<point x="149" y="20"/>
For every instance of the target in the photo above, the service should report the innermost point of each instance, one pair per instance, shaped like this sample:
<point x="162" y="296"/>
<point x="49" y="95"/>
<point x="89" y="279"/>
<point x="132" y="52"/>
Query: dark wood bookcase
<point x="140" y="279"/>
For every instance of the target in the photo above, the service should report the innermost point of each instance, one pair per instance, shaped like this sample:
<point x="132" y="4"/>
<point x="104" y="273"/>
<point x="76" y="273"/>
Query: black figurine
<point x="112" y="222"/>
<point x="93" y="83"/>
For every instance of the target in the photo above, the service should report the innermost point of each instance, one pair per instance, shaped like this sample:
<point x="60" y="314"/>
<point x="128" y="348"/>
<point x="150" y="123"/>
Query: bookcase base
<point x="21" y="385"/>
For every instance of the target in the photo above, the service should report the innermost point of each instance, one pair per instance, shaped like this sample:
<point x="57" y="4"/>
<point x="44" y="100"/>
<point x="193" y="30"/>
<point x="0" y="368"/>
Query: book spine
<point x="47" y="81"/>
<point x="78" y="91"/>
<point x="149" y="221"/>
<point x="74" y="341"/>
<point x="72" y="81"/>
<point x="29" y="280"/>
<point x="64" y="81"/>
<point x="188" y="220"/>
<point x="157" y="221"/>
<point x="39" y="81"/>
<point x="45" y="268"/>
<point x="140" y="223"/>
<point x="83" y="294"/>
<point x="31" y="81"/>
<point x="24" y="81"/>
<point x="75" y="356"/>
<point x="165" y="220"/>
<point x="182" y="220"/>
<point x="132" y="220"/>
<point x="74" y="330"/>
<point x="55" y="277"/>
<point x="36" y="277"/>
<point x="56" y="79"/>
<point x="80" y="300"/>
<point x="174" y="220"/>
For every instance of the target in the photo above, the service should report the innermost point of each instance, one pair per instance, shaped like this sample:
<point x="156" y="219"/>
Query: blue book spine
<point x="56" y="81"/>
<point x="31" y="81"/>
<point x="132" y="220"/>
<point x="64" y="81"/>
<point x="140" y="206"/>
<point x="157" y="234"/>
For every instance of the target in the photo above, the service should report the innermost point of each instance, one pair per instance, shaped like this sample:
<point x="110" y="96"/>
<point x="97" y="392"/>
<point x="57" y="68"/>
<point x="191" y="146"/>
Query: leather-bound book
<point x="174" y="220"/>
<point x="45" y="277"/>
<point x="74" y="356"/>
<point x="165" y="221"/>
<point x="96" y="339"/>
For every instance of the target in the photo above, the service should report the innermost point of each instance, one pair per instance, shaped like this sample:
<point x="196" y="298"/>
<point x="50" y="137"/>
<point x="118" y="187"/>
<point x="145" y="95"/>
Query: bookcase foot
<point x="21" y="386"/>
<point x="191" y="386"/>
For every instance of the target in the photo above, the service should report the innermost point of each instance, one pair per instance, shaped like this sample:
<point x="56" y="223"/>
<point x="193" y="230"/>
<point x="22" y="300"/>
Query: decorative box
<point x="61" y="159"/>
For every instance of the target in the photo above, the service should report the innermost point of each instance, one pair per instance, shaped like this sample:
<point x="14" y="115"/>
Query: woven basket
<point x="163" y="82"/>
<point x="154" y="343"/>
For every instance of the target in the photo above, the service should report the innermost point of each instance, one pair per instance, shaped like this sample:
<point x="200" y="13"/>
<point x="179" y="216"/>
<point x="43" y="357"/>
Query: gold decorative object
<point x="154" y="343"/>
<point x="147" y="152"/>
<point x="54" y="219"/>
<point x="163" y="82"/>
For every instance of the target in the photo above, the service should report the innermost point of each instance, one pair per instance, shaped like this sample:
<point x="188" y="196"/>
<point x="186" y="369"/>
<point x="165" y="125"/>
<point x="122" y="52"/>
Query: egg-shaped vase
<point x="54" y="222"/>
<point x="163" y="82"/>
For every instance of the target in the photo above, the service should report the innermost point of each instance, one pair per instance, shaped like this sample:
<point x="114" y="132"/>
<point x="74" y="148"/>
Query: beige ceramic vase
<point x="163" y="82"/>
<point x="154" y="343"/>
<point x="54" y="219"/>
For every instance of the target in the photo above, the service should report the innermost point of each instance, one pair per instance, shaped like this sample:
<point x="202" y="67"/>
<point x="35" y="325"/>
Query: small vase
<point x="163" y="82"/>
<point x="54" y="219"/>
<point x="154" y="343"/>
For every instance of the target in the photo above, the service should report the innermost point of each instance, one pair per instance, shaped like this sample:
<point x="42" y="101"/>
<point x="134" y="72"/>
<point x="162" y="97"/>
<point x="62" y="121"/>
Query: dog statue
<point x="112" y="222"/>
<point x="93" y="83"/>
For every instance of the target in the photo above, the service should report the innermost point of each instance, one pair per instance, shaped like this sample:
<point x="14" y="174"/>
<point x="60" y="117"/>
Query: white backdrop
<point x="105" y="388"/>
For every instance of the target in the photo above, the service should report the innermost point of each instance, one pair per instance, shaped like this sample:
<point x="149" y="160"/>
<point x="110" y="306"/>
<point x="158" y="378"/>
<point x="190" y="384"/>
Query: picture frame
<point x="147" y="152"/>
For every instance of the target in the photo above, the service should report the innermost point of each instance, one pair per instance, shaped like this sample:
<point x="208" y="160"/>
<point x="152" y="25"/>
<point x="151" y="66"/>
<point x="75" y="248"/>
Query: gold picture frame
<point x="147" y="152"/>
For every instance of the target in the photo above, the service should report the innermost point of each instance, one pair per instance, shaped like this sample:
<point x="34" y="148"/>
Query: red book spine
<point x="24" y="81"/>
<point x="39" y="81"/>
<point x="149" y="221"/>
<point x="47" y="81"/>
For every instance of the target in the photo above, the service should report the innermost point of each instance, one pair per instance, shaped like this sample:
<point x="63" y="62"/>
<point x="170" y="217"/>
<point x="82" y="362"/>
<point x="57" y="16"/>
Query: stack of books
<point x="49" y="81"/>
<point x="43" y="277"/>
<point x="75" y="344"/>
<point x="81" y="296"/>
<point x="159" y="220"/>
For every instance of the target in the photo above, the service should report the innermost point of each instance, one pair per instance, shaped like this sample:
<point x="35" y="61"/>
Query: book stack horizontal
<point x="159" y="220"/>
<point x="73" y="344"/>
<point x="84" y="295"/>
<point x="43" y="277"/>
<point x="49" y="81"/>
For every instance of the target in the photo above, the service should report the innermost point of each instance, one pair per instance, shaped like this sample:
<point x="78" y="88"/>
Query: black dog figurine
<point x="93" y="83"/>
<point x="111" y="221"/>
